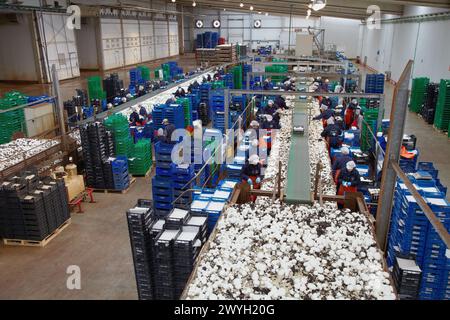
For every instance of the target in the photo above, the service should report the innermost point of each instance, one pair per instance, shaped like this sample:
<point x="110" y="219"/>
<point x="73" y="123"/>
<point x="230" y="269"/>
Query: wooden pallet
<point x="132" y="180"/>
<point x="35" y="243"/>
<point x="147" y="174"/>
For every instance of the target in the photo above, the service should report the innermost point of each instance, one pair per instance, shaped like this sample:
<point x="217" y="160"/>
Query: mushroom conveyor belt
<point x="298" y="188"/>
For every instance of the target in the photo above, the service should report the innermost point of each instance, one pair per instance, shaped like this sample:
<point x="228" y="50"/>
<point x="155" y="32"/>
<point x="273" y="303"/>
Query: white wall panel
<point x="131" y="41"/>
<point x="343" y="33"/>
<point x="87" y="44"/>
<point x="162" y="39"/>
<point x="147" y="41"/>
<point x="111" y="33"/>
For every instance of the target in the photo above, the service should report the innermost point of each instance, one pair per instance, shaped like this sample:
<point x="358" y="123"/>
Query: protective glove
<point x="249" y="181"/>
<point x="258" y="180"/>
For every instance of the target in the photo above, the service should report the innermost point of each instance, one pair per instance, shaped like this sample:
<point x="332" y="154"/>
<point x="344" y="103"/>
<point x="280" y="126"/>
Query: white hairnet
<point x="165" y="121"/>
<point x="350" y="165"/>
<point x="354" y="101"/>
<point x="254" y="123"/>
<point x="160" y="132"/>
<point x="253" y="159"/>
<point x="270" y="102"/>
<point x="269" y="117"/>
<point x="345" y="150"/>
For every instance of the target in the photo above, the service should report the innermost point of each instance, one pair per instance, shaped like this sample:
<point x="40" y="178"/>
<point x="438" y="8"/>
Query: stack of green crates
<point x="442" y="115"/>
<point x="371" y="118"/>
<point x="123" y="142"/>
<point x="95" y="88"/>
<point x="237" y="77"/>
<point x="166" y="71"/>
<point x="277" y="69"/>
<point x="418" y="89"/>
<point x="12" y="121"/>
<point x="140" y="162"/>
<point x="145" y="72"/>
<point x="157" y="73"/>
<point x="187" y="107"/>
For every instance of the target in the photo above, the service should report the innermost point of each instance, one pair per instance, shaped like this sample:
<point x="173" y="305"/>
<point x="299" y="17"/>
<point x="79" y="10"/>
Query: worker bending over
<point x="349" y="113"/>
<point x="332" y="134"/>
<point x="180" y="93"/>
<point x="251" y="173"/>
<point x="325" y="114"/>
<point x="340" y="162"/>
<point x="171" y="100"/>
<point x="348" y="180"/>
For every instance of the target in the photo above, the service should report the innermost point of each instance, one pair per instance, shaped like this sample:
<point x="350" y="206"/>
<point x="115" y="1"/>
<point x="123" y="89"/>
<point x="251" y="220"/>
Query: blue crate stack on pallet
<point x="412" y="234"/>
<point x="214" y="39"/>
<point x="158" y="115"/>
<point x="162" y="186"/>
<point x="199" y="41"/>
<point x="121" y="176"/>
<point x="217" y="109"/>
<point x="374" y="83"/>
<point x="182" y="180"/>
<point x="194" y="98"/>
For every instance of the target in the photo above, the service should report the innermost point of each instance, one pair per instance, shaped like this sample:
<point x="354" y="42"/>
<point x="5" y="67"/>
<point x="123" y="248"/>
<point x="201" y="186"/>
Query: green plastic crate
<point x="418" y="89"/>
<point x="442" y="114"/>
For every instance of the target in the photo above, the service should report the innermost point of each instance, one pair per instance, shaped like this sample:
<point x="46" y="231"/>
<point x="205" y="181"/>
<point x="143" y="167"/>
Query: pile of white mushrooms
<point x="291" y="252"/>
<point x="269" y="250"/>
<point x="20" y="149"/>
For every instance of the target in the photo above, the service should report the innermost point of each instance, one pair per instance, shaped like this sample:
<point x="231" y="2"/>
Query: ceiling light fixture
<point x="194" y="4"/>
<point x="251" y="8"/>
<point x="174" y="0"/>
<point x="318" y="4"/>
<point x="267" y="14"/>
<point x="241" y="5"/>
<point x="259" y="12"/>
<point x="224" y="9"/>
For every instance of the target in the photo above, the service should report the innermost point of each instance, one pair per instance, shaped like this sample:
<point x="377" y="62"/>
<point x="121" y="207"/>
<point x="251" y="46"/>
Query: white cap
<point x="129" y="96"/>
<point x="270" y="102"/>
<point x="253" y="159"/>
<point x="165" y="121"/>
<point x="379" y="134"/>
<point x="255" y="143"/>
<point x="330" y="120"/>
<point x="345" y="150"/>
<point x="326" y="80"/>
<point x="269" y="117"/>
<point x="355" y="128"/>
<point x="160" y="132"/>
<point x="339" y="106"/>
<point x="354" y="101"/>
<point x="254" y="123"/>
<point x="350" y="165"/>
<point x="124" y="99"/>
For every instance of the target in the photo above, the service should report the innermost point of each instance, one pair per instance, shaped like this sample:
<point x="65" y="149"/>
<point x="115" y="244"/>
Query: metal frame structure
<point x="391" y="169"/>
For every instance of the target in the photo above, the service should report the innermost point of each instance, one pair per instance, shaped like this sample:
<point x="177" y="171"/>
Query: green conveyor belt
<point x="298" y="189"/>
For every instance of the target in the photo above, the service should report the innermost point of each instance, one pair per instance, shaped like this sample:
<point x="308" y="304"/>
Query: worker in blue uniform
<point x="267" y="85"/>
<point x="134" y="117"/>
<point x="332" y="133"/>
<point x="180" y="93"/>
<point x="171" y="100"/>
<point x="251" y="173"/>
<point x="325" y="114"/>
<point x="143" y="112"/>
<point x="165" y="135"/>
<point x="270" y="108"/>
<point x="348" y="180"/>
<point x="280" y="102"/>
<point x="340" y="162"/>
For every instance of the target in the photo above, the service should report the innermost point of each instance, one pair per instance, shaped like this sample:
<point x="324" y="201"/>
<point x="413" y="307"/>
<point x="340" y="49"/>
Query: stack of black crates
<point x="429" y="107"/>
<point x="113" y="86"/>
<point x="164" y="250"/>
<point x="98" y="147"/>
<point x="407" y="275"/>
<point x="30" y="208"/>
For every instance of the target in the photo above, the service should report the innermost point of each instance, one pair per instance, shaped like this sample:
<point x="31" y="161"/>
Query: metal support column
<point x="226" y="107"/>
<point x="290" y="26"/>
<point x="397" y="120"/>
<point x="59" y="103"/>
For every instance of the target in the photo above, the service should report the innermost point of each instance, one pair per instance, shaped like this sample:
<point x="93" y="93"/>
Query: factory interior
<point x="224" y="150"/>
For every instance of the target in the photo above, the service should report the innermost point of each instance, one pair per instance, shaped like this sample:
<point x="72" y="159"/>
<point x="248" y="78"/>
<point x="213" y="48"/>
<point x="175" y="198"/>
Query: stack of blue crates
<point x="228" y="80"/>
<point x="412" y="234"/>
<point x="429" y="167"/>
<point x="199" y="41"/>
<point x="162" y="186"/>
<point x="409" y="165"/>
<point x="121" y="176"/>
<point x="375" y="83"/>
<point x="135" y="78"/>
<point x="217" y="110"/>
<point x="214" y="39"/>
<point x="173" y="112"/>
<point x="182" y="176"/>
<point x="204" y="92"/>
<point x="194" y="97"/>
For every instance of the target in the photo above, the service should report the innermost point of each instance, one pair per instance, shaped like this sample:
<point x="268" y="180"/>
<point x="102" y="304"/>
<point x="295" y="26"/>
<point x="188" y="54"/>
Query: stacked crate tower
<point x="442" y="115"/>
<point x="11" y="121"/>
<point x="418" y="89"/>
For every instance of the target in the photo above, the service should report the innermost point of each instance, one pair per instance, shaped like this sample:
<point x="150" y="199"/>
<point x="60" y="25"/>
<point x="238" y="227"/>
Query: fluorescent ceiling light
<point x="251" y="8"/>
<point x="241" y="5"/>
<point x="194" y="4"/>
<point x="318" y="4"/>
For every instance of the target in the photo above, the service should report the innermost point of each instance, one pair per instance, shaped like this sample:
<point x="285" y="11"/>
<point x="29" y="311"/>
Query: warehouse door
<point x="235" y="30"/>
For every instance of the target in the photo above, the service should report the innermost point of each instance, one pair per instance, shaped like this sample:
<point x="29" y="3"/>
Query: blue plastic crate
<point x="161" y="191"/>
<point x="163" y="205"/>
<point x="161" y="182"/>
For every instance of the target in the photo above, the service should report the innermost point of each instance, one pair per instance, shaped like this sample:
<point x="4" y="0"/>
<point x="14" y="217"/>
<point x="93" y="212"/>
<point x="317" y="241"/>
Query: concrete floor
<point x="97" y="241"/>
